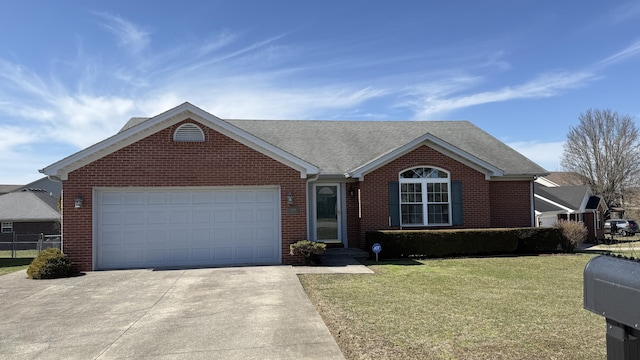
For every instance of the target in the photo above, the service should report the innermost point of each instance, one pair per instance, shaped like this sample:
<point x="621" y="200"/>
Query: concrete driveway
<point x="225" y="313"/>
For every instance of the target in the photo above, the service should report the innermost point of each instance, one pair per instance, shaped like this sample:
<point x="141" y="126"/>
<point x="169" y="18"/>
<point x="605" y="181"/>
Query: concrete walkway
<point x="335" y="265"/>
<point x="225" y="313"/>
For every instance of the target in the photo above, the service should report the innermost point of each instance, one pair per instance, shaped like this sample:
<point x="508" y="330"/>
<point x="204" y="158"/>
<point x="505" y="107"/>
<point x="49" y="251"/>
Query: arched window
<point x="425" y="198"/>
<point x="188" y="133"/>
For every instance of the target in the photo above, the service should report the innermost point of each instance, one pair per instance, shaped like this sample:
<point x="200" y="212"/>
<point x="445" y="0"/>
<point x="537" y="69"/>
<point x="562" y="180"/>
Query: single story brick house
<point x="186" y="188"/>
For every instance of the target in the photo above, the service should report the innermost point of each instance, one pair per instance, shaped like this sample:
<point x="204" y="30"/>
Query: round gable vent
<point x="188" y="133"/>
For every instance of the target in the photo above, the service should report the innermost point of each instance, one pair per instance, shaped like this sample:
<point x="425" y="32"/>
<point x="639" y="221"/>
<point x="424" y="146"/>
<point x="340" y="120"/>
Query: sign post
<point x="376" y="248"/>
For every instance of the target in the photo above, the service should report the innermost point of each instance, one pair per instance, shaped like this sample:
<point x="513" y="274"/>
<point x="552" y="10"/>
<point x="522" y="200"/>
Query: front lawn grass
<point x="472" y="308"/>
<point x="9" y="265"/>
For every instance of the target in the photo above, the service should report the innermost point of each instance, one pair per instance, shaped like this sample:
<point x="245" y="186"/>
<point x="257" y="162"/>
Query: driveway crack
<point x="140" y="317"/>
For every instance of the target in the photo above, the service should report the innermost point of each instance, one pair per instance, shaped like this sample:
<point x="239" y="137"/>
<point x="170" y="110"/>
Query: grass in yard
<point x="480" y="308"/>
<point x="8" y="265"/>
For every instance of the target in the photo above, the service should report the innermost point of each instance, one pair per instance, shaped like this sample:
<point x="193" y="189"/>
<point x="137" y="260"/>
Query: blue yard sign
<point x="376" y="248"/>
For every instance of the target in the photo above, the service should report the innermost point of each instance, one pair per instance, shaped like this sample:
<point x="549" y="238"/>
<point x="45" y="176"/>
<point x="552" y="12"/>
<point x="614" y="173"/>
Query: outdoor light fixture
<point x="352" y="191"/>
<point x="290" y="198"/>
<point x="79" y="201"/>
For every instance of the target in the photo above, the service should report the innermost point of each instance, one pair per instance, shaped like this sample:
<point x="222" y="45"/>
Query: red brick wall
<point x="510" y="203"/>
<point x="158" y="161"/>
<point x="375" y="199"/>
<point x="353" y="219"/>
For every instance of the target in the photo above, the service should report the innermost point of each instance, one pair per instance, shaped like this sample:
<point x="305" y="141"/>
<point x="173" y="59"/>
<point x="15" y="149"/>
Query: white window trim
<point x="7" y="227"/>
<point x="424" y="182"/>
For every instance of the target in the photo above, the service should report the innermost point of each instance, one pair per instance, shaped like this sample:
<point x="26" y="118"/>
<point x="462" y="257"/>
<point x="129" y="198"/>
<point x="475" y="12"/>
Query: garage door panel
<point x="223" y="254"/>
<point x="266" y="215"/>
<point x="223" y="216"/>
<point x="152" y="228"/>
<point x="111" y="218"/>
<point x="201" y="255"/>
<point x="157" y="217"/>
<point x="223" y="197"/>
<point x="201" y="216"/>
<point x="244" y="252"/>
<point x="134" y="217"/>
<point x="244" y="235"/>
<point x="265" y="252"/>
<point x="179" y="217"/>
<point x="245" y="197"/>
<point x="134" y="238"/>
<point x="202" y="197"/>
<point x="154" y="198"/>
<point x="244" y="216"/>
<point x="180" y="198"/>
<point x="265" y="197"/>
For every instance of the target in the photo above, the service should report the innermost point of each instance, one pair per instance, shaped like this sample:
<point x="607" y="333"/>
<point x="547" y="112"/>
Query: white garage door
<point x="139" y="228"/>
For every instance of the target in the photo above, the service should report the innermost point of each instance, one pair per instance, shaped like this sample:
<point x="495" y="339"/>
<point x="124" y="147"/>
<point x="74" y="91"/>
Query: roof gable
<point x="143" y="128"/>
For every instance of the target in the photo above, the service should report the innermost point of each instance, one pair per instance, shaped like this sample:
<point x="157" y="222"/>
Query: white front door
<point x="328" y="212"/>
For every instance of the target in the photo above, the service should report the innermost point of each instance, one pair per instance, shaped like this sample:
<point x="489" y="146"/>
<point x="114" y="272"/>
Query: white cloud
<point x="545" y="154"/>
<point x="545" y="85"/>
<point x="14" y="136"/>
<point x="630" y="51"/>
<point x="129" y="34"/>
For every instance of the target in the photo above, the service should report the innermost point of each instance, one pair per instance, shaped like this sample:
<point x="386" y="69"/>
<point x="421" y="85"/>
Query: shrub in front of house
<point x="50" y="264"/>
<point x="572" y="234"/>
<point x="462" y="242"/>
<point x="311" y="250"/>
<point x="540" y="240"/>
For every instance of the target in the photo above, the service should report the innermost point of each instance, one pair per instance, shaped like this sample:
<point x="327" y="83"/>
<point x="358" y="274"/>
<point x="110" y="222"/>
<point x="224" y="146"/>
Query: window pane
<point x="424" y="173"/>
<point x="438" y="214"/>
<point x="437" y="193"/>
<point x="412" y="214"/>
<point x="410" y="193"/>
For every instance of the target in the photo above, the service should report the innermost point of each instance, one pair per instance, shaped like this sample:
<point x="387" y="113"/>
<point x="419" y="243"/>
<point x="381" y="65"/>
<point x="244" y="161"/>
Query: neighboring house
<point x="54" y="188"/>
<point x="186" y="188"/>
<point x="570" y="203"/>
<point x="28" y="212"/>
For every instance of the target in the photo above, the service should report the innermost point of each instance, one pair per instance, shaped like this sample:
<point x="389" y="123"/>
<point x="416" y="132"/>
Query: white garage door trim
<point x="221" y="226"/>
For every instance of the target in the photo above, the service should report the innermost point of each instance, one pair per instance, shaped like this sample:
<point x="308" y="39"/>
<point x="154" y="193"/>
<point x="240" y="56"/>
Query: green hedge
<point x="463" y="242"/>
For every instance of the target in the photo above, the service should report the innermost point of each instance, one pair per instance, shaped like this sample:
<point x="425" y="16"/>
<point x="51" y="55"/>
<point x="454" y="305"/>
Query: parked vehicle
<point x="624" y="227"/>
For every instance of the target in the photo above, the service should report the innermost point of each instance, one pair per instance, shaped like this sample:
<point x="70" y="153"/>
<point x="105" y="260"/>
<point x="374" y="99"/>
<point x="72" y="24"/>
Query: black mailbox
<point x="612" y="289"/>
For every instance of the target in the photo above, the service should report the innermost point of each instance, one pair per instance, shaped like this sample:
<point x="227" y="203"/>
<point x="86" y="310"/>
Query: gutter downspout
<point x="309" y="204"/>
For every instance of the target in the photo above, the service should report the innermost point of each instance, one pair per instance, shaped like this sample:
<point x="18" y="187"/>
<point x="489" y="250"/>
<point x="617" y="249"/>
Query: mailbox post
<point x="612" y="289"/>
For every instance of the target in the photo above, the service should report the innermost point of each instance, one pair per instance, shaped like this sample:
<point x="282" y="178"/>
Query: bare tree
<point x="605" y="148"/>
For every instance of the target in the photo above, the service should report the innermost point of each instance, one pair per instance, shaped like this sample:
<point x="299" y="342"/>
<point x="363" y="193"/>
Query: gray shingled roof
<point x="337" y="147"/>
<point x="569" y="196"/>
<point x="28" y="206"/>
<point x="543" y="206"/>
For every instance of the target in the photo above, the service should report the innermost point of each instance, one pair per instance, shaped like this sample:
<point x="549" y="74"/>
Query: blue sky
<point x="73" y="72"/>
